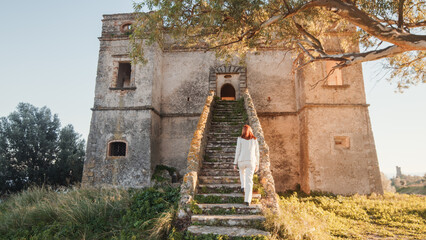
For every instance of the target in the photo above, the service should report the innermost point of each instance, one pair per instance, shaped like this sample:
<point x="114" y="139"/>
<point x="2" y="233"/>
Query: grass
<point x="85" y="213"/>
<point x="324" y="216"/>
<point x="218" y="199"/>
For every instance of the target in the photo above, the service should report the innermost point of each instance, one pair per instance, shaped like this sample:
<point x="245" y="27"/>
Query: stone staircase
<point x="220" y="207"/>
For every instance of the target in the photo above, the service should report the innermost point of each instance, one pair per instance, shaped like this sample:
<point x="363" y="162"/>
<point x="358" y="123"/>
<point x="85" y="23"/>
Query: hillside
<point x="78" y="213"/>
<point x="408" y="184"/>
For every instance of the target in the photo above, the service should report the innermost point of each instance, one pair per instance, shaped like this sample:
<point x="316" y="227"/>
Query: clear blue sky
<point x="48" y="57"/>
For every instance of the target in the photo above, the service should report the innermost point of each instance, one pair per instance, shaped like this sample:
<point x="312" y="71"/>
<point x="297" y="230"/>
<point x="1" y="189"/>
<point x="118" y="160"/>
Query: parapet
<point x="117" y="25"/>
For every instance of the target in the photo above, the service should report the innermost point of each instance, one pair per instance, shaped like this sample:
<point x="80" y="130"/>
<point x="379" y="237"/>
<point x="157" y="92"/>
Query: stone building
<point x="320" y="138"/>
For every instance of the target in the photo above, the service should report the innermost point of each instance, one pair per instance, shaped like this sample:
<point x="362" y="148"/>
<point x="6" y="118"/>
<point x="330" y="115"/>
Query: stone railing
<point x="265" y="175"/>
<point x="195" y="158"/>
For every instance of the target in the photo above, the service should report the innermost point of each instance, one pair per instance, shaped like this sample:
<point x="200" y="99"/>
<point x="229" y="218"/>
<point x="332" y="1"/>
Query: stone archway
<point x="227" y="92"/>
<point x="239" y="72"/>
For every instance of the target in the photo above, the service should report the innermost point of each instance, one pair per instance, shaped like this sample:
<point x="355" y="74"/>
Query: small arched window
<point x="126" y="27"/>
<point x="117" y="149"/>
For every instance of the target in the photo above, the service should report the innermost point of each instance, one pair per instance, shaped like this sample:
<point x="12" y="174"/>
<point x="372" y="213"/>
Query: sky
<point x="48" y="57"/>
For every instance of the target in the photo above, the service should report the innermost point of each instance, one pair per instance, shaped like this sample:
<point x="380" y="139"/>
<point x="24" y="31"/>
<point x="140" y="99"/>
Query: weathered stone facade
<point x="319" y="138"/>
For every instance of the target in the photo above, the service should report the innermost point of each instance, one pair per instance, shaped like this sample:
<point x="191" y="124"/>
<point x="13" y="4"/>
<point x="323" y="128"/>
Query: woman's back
<point x="247" y="151"/>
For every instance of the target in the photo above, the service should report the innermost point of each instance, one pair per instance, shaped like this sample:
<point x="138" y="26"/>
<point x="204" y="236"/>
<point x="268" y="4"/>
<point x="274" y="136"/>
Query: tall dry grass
<point x="89" y="213"/>
<point x="297" y="220"/>
<point x="325" y="216"/>
<point x="39" y="207"/>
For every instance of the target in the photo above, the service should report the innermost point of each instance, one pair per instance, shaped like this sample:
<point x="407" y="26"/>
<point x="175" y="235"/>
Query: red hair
<point x="247" y="133"/>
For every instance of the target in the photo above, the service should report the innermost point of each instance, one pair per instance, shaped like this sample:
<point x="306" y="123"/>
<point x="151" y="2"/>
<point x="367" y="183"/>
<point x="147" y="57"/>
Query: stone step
<point x="222" y="125"/>
<point x="219" y="148"/>
<point x="254" y="221"/>
<point x="219" y="188"/>
<point x="222" y="150"/>
<point x="228" y="114"/>
<point x="228" y="111"/>
<point x="226" y="102"/>
<point x="229" y="231"/>
<point x="232" y="134"/>
<point x="227" y="119"/>
<point x="218" y="179"/>
<point x="223" y="197"/>
<point x="226" y="106"/>
<point x="218" y="138"/>
<point x="216" y="106"/>
<point x="223" y="118"/>
<point x="229" y="209"/>
<point x="224" y="115"/>
<point x="222" y="145"/>
<point x="224" y="134"/>
<point x="221" y="105"/>
<point x="230" y="130"/>
<point x="219" y="159"/>
<point x="220" y="172"/>
<point x="218" y="123"/>
<point x="216" y="165"/>
<point x="220" y="154"/>
<point x="226" y="124"/>
<point x="215" y="140"/>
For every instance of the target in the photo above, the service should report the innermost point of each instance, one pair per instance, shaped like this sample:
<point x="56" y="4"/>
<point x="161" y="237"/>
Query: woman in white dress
<point x="247" y="159"/>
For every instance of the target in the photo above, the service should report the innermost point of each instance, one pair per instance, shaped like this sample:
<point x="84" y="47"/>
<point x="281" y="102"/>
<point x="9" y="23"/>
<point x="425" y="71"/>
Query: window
<point x="117" y="149"/>
<point x="335" y="78"/>
<point x="342" y="142"/>
<point x="126" y="27"/>
<point x="124" y="75"/>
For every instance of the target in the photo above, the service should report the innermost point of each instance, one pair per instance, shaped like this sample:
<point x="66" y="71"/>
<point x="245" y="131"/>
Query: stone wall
<point x="271" y="83"/>
<point x="265" y="175"/>
<point x="175" y="141"/>
<point x="133" y="170"/>
<point x="336" y="143"/>
<point x="195" y="157"/>
<point x="282" y="136"/>
<point x="129" y="114"/>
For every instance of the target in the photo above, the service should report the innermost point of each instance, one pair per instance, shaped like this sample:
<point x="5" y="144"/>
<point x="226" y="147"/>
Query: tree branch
<point x="400" y="13"/>
<point x="316" y="43"/>
<point x="361" y="19"/>
<point x="348" y="59"/>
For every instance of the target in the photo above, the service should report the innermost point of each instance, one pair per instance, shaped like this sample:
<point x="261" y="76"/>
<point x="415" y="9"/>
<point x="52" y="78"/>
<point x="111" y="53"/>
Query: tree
<point x="68" y="166"/>
<point x="34" y="150"/>
<point x="393" y="30"/>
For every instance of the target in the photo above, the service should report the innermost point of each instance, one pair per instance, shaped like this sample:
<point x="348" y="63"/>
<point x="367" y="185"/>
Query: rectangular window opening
<point x="124" y="75"/>
<point x="342" y="142"/>
<point x="117" y="149"/>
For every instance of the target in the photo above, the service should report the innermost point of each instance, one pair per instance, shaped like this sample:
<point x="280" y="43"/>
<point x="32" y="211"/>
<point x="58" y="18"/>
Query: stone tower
<point x="320" y="137"/>
<point x="398" y="172"/>
<point x="124" y="130"/>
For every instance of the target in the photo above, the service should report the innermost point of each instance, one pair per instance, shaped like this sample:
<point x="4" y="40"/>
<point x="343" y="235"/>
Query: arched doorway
<point x="227" y="92"/>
